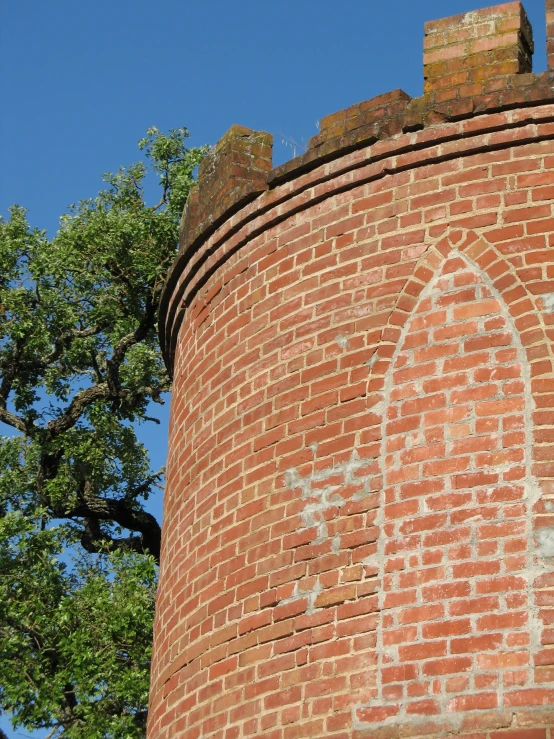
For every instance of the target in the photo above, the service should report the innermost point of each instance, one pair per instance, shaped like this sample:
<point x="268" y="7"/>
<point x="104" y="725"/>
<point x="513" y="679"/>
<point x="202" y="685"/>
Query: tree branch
<point x="143" y="487"/>
<point x="163" y="201"/>
<point x="28" y="631"/>
<point x="75" y="409"/>
<point x="12" y="420"/>
<point x="65" y="341"/>
<point x="100" y="509"/>
<point x="9" y="372"/>
<point x="52" y="733"/>
<point x="123" y="345"/>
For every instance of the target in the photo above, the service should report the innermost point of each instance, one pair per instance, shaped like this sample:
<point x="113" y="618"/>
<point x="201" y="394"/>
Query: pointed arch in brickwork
<point x="527" y="315"/>
<point x="461" y="624"/>
<point x="521" y="304"/>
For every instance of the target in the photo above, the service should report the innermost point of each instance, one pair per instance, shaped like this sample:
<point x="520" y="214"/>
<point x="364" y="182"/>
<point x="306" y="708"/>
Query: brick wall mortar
<point x="288" y="321"/>
<point x="341" y="337"/>
<point x="533" y="496"/>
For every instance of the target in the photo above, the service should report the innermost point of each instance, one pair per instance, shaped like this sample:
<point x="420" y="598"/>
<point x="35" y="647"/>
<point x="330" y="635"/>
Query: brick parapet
<point x="232" y="173"/>
<point x="472" y="53"/>
<point x="397" y="153"/>
<point x="239" y="168"/>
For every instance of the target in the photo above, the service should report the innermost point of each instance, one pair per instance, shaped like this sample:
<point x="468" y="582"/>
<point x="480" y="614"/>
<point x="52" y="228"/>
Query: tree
<point x="79" y="368"/>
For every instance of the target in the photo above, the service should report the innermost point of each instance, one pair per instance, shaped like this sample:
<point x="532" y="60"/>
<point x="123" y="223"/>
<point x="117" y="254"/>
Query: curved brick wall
<point x="358" y="533"/>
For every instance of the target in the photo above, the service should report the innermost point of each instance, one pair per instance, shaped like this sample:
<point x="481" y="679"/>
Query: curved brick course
<point x="358" y="531"/>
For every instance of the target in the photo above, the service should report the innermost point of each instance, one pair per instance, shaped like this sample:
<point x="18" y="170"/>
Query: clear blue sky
<point x="81" y="82"/>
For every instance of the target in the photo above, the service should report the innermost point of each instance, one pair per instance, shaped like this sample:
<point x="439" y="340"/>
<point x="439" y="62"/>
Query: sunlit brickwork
<point x="359" y="517"/>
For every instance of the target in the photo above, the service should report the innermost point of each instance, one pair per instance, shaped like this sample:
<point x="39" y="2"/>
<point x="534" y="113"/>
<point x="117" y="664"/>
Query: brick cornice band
<point x="399" y="153"/>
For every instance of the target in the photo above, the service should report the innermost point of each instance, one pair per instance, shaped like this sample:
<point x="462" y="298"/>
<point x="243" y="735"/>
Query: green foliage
<point x="79" y="368"/>
<point x="75" y="643"/>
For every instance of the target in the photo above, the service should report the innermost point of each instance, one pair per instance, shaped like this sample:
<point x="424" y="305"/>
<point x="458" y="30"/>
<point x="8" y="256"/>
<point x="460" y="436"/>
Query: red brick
<point x="475" y="644"/>
<point x="478" y="701"/>
<point x="447" y="666"/>
<point x="328" y="314"/>
<point x="427" y="650"/>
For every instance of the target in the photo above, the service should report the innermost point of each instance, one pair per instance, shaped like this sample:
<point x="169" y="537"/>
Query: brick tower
<point x="359" y="516"/>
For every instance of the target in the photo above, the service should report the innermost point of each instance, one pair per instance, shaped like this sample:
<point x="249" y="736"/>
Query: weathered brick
<point x="361" y="345"/>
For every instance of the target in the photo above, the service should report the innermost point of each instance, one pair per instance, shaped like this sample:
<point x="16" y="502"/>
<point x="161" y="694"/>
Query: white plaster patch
<point x="548" y="302"/>
<point x="311" y="595"/>
<point x="371" y="361"/>
<point x="545" y="538"/>
<point x="321" y="498"/>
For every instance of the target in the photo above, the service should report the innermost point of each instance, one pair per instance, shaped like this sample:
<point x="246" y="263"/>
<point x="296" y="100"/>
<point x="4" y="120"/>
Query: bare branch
<point x="163" y="201"/>
<point x="53" y="733"/>
<point x="152" y="479"/>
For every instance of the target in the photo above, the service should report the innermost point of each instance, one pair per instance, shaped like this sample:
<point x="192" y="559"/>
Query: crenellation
<point x="490" y="71"/>
<point x="473" y="47"/>
<point x="233" y="172"/>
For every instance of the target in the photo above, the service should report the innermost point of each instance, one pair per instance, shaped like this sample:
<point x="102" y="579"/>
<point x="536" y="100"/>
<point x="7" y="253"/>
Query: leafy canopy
<point x="75" y="643"/>
<point x="79" y="368"/>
